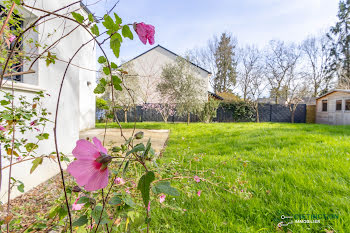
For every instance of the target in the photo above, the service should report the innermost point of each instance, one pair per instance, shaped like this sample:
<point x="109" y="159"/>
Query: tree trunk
<point x="188" y="118"/>
<point x="126" y="116"/>
<point x="292" y="118"/>
<point x="257" y="114"/>
<point x="165" y="119"/>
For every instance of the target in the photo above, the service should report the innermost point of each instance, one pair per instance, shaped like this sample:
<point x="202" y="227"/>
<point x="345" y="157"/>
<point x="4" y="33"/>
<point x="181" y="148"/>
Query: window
<point x="324" y="105"/>
<point x="347" y="105"/>
<point x="17" y="67"/>
<point x="338" y="105"/>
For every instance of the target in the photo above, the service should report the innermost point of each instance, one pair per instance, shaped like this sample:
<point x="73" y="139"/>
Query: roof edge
<point x="88" y="11"/>
<point x="169" y="52"/>
<point x="334" y="90"/>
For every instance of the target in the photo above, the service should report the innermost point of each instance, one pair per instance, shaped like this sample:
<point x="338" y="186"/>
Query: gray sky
<point x="182" y="25"/>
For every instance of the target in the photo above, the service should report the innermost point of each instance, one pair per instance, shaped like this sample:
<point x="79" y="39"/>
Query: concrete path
<point x="113" y="137"/>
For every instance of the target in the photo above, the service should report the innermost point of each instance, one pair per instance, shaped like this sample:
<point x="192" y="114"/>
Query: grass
<point x="273" y="169"/>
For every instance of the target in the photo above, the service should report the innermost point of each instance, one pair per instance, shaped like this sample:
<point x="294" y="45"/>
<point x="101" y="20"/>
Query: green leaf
<point x="114" y="66"/>
<point x="78" y="17"/>
<point x="103" y="81"/>
<point x="36" y="163"/>
<point x="148" y="147"/>
<point x="106" y="70"/>
<point x="53" y="211"/>
<point x="129" y="201"/>
<point x="83" y="200"/>
<point x="96" y="213"/>
<point x="4" y="102"/>
<point x="91" y="18"/>
<point x="108" y="22"/>
<point x="31" y="146"/>
<point x="115" y="200"/>
<point x="7" y="117"/>
<point x="144" y="186"/>
<point x="95" y="30"/>
<point x="126" y="32"/>
<point x="18" y="2"/>
<point x="115" y="46"/>
<point x="117" y="36"/>
<point x="117" y="82"/>
<point x="126" y="166"/>
<point x="21" y="188"/>
<point x="118" y="20"/>
<point x="137" y="148"/>
<point x="62" y="212"/>
<point x="80" y="221"/>
<point x="43" y="136"/>
<point x="99" y="89"/>
<point x="101" y="59"/>
<point x="165" y="187"/>
<point x="116" y="149"/>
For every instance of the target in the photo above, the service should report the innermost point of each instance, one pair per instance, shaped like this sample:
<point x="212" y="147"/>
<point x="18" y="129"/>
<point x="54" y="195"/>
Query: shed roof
<point x="334" y="90"/>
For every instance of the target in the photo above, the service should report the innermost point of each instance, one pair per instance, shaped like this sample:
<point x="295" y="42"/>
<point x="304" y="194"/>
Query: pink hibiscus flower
<point x="2" y="128"/>
<point x="12" y="38"/>
<point x="197" y="179"/>
<point x="119" y="180"/>
<point x="162" y="198"/>
<point x="90" y="168"/>
<point x="76" y="206"/>
<point x="199" y="193"/>
<point x="149" y="206"/>
<point x="145" y="32"/>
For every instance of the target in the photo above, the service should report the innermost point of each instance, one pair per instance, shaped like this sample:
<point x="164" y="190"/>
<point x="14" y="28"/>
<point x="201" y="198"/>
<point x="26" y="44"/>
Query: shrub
<point x="209" y="111"/>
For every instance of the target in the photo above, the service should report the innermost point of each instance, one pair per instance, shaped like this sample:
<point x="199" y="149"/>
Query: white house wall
<point x="149" y="69"/>
<point x="77" y="106"/>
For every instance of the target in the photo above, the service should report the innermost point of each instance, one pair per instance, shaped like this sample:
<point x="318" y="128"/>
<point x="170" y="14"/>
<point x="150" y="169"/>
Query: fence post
<point x="270" y="112"/>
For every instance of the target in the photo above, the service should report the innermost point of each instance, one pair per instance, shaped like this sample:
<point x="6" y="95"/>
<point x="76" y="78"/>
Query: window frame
<point x="16" y="78"/>
<point x="345" y="104"/>
<point x="322" y="106"/>
<point x="336" y="105"/>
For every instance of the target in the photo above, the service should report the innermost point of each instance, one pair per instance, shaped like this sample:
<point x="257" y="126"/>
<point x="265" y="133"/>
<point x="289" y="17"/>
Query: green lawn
<point x="273" y="169"/>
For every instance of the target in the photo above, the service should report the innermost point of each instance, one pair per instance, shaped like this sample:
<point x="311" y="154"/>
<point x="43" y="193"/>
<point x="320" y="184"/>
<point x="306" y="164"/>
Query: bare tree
<point x="205" y="57"/>
<point x="255" y="91"/>
<point x="297" y="92"/>
<point x="316" y="52"/>
<point x="127" y="98"/>
<point x="249" y="69"/>
<point x="279" y="60"/>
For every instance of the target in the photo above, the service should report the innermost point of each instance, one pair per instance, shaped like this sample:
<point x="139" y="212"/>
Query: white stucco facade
<point x="148" y="67"/>
<point x="77" y="106"/>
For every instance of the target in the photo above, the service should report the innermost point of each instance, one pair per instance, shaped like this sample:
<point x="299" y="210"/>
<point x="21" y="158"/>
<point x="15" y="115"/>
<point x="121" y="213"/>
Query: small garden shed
<point x="333" y="108"/>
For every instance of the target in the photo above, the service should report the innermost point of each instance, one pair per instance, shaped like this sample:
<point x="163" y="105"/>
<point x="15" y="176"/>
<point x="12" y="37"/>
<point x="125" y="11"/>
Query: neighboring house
<point x="214" y="96"/>
<point x="333" y="108"/>
<point x="148" y="66"/>
<point x="77" y="106"/>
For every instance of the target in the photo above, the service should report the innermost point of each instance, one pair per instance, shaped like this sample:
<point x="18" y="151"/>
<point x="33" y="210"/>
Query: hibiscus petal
<point x="85" y="150"/>
<point x="82" y="170"/>
<point x="99" y="146"/>
<point x="98" y="180"/>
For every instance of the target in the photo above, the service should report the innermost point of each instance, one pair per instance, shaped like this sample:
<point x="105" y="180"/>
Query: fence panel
<point x="267" y="113"/>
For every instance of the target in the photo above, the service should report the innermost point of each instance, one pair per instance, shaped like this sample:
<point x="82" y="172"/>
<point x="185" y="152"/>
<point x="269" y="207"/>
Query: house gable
<point x="148" y="67"/>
